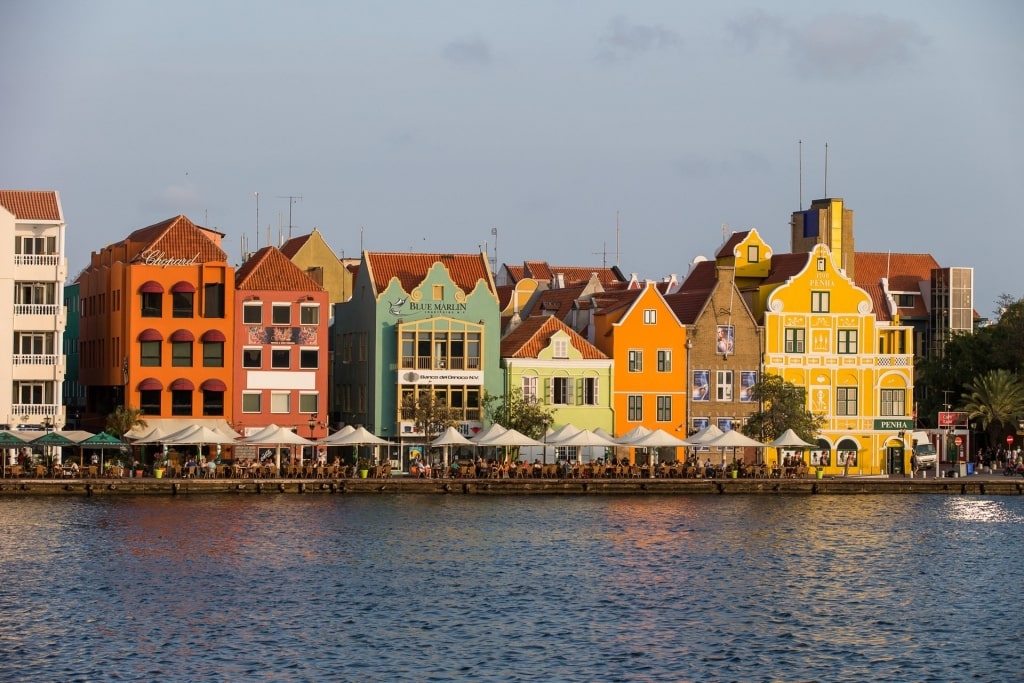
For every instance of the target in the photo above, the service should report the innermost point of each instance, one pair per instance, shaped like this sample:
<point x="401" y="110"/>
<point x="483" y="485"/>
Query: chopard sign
<point x="152" y="257"/>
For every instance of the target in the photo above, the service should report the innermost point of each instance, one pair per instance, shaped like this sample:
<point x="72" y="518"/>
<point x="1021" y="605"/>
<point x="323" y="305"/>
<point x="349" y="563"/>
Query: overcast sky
<point x="424" y="125"/>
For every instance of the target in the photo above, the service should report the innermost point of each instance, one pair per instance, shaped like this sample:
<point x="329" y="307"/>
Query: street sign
<point x="1009" y="439"/>
<point x="958" y="441"/>
<point x="952" y="419"/>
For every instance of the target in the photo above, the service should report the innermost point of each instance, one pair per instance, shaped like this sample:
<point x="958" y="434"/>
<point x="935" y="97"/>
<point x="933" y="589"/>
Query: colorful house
<point x="280" y="338"/>
<point x="156" y="309"/>
<point x="821" y="333"/>
<point x="557" y="368"/>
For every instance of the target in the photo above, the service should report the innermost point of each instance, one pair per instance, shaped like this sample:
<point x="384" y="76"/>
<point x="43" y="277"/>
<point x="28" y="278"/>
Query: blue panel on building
<point x="811" y="223"/>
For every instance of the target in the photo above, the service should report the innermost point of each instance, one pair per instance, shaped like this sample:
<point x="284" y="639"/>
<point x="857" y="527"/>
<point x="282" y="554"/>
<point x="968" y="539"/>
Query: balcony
<point x="49" y="310"/>
<point x="429" y="363"/>
<point x="37" y="359"/>
<point x="27" y="411"/>
<point x="896" y="361"/>
<point x="37" y="260"/>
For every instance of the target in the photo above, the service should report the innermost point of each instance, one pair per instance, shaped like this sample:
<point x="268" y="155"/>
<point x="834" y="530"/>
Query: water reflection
<point x="463" y="588"/>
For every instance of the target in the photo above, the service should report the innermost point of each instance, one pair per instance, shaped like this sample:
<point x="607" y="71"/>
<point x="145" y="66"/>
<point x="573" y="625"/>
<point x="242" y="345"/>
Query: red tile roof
<point x="904" y="271"/>
<point x="879" y="302"/>
<point x="32" y="205"/>
<point x="292" y="246"/>
<point x="687" y="305"/>
<point x="571" y="275"/>
<point x="726" y="250"/>
<point x="610" y="301"/>
<point x="270" y="269"/>
<point x="554" y="302"/>
<point x="533" y="335"/>
<point x="702" y="277"/>
<point x="785" y="266"/>
<point x="177" y="238"/>
<point x="465" y="270"/>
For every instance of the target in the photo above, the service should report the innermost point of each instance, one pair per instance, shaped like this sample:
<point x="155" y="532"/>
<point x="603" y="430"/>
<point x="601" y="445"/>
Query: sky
<point x="578" y="132"/>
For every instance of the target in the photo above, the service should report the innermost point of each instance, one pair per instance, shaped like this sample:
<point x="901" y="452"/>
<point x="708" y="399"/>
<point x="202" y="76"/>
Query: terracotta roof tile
<point x="610" y="301"/>
<point x="533" y="335"/>
<point x="687" y="305"/>
<point x="466" y="270"/>
<point x="571" y="275"/>
<point x="904" y="271"/>
<point x="785" y="266"/>
<point x="176" y="237"/>
<point x="554" y="301"/>
<point x="292" y="246"/>
<point x="726" y="250"/>
<point x="270" y="269"/>
<point x="32" y="205"/>
<point x="878" y="301"/>
<point x="538" y="270"/>
<point x="702" y="277"/>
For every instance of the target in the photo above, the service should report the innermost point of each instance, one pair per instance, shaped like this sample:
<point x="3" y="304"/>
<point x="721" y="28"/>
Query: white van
<point x="925" y="451"/>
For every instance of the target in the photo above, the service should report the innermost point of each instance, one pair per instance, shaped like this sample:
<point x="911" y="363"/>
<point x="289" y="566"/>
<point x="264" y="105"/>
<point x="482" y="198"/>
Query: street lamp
<point x="312" y="427"/>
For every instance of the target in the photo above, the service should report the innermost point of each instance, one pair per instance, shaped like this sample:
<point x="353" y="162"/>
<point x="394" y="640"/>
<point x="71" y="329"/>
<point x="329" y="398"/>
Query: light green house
<point x="556" y="367"/>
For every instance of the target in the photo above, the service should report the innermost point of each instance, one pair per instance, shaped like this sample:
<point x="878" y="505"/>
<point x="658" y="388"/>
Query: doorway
<point x="894" y="460"/>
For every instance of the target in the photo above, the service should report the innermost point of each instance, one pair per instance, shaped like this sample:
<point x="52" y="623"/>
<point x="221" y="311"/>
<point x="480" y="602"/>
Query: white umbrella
<point x="509" y="437"/>
<point x="197" y="434"/>
<point x="331" y="440"/>
<point x="154" y="434"/>
<point x="584" y="437"/>
<point x="274" y="435"/>
<point x="357" y="437"/>
<point x="702" y="437"/>
<point x="488" y="433"/>
<point x="561" y="433"/>
<point x="450" y="437"/>
<point x="789" y="439"/>
<point x="634" y="433"/>
<point x="734" y="439"/>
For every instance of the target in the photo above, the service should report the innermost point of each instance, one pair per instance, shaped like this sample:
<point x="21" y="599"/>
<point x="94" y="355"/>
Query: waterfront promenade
<point x="979" y="484"/>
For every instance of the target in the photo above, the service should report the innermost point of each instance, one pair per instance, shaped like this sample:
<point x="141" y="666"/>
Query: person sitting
<point x="72" y="468"/>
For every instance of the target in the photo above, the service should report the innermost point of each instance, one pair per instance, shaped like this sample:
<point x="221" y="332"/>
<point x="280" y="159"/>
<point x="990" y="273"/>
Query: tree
<point x="782" y="405"/>
<point x="122" y="420"/>
<point x="996" y="399"/>
<point x="429" y="414"/>
<point x="513" y="411"/>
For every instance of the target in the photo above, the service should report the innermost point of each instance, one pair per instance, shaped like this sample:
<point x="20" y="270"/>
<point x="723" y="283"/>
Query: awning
<point x="149" y="334"/>
<point x="182" y="336"/>
<point x="183" y="287"/>
<point x="151" y="287"/>
<point x="213" y="385"/>
<point x="182" y="384"/>
<point x="213" y="336"/>
<point x="151" y="384"/>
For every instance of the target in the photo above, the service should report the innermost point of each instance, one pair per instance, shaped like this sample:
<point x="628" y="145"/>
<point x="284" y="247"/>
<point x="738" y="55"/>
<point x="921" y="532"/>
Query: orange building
<point x="156" y="309"/>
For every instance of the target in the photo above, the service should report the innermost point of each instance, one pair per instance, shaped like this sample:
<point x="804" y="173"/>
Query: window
<point x="213" y="402"/>
<point x="309" y="403"/>
<point x="560" y="348"/>
<point x="149" y="353"/>
<point x="438" y="292"/>
<point x="588" y="391"/>
<point x="819" y="302"/>
<point x="32" y="393"/>
<point x="281" y="314"/>
<point x="309" y="315"/>
<point x="821" y="265"/>
<point x="529" y="389"/>
<point x="252" y="314"/>
<point x="213" y="354"/>
<point x="905" y="300"/>
<point x="664" y="360"/>
<point x="280" y="358"/>
<point x="252" y="402"/>
<point x="893" y="402"/>
<point x="33" y="343"/>
<point x="280" y="402"/>
<point x="181" y="402"/>
<point x="723" y="385"/>
<point x="181" y="354"/>
<point x="795" y="339"/>
<point x="664" y="409"/>
<point x="149" y="402"/>
<point x="847" y="341"/>
<point x="650" y="316"/>
<point x="560" y="391"/>
<point x="213" y="300"/>
<point x="634" y="408"/>
<point x="309" y="359"/>
<point x="152" y="304"/>
<point x="252" y="358"/>
<point x="181" y="303"/>
<point x="636" y="360"/>
<point x="752" y="253"/>
<point x="846" y="401"/>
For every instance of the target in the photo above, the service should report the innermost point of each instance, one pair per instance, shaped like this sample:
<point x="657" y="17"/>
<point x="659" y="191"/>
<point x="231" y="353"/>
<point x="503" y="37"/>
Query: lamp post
<point x="312" y="427"/>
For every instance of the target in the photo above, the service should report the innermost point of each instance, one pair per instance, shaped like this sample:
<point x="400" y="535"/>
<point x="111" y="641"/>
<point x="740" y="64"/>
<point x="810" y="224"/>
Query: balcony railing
<point x="900" y="361"/>
<point x="36" y="309"/>
<point x="19" y="410"/>
<point x="37" y="359"/>
<point x="36" y="259"/>
<point x="429" y="363"/>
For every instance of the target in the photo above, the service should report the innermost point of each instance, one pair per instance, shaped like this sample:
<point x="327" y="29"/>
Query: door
<point x="894" y="460"/>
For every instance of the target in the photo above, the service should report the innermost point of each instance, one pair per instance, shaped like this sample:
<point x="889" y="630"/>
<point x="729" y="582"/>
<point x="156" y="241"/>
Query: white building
<point x="32" y="318"/>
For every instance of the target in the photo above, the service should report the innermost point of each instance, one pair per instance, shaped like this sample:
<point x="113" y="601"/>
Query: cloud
<point x="843" y="46"/>
<point x="471" y="51"/>
<point x="622" y="41"/>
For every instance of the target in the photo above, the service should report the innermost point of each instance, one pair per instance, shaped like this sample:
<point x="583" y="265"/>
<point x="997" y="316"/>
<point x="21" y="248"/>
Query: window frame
<point x="178" y="358"/>
<point x="278" y="352"/>
<point x="845" y="398"/>
<point x="213" y="360"/>
<point x="724" y="389"/>
<point x="795" y="340"/>
<point x="664" y="360"/>
<point x="146" y="349"/>
<point x="275" y="310"/>
<point x="820" y="301"/>
<point x="248" y="308"/>
<point x="634" y="408"/>
<point x="635" y="360"/>
<point x="847" y="341"/>
<point x="247" y="352"/>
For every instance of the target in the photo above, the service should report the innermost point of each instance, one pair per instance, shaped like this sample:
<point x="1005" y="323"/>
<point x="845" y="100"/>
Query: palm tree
<point x="996" y="399"/>
<point x="122" y="420"/>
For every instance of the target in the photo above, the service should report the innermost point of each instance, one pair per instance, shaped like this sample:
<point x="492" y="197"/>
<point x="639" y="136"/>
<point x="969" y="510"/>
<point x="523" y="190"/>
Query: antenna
<point x="826" y="171"/>
<point x="494" y="266"/>
<point x="800" y="171"/>
<point x="257" y="195"/>
<point x="291" y="202"/>
<point x="617" y="239"/>
<point x="603" y="254"/>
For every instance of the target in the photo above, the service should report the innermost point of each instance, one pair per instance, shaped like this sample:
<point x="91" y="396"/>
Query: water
<point x="460" y="588"/>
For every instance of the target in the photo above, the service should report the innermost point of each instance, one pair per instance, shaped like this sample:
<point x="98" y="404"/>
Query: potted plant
<point x="363" y="467"/>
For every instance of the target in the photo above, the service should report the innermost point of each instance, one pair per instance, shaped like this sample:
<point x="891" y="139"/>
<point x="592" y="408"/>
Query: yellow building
<point x="821" y="333"/>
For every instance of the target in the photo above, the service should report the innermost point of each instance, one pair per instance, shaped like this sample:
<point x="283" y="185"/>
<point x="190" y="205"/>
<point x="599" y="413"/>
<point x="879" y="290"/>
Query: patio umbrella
<point x="340" y="434"/>
<point x="704" y="435"/>
<point x="9" y="440"/>
<point x="450" y="437"/>
<point x="733" y="439"/>
<point x="52" y="439"/>
<point x="789" y="438"/>
<point x="659" y="438"/>
<point x="359" y="436"/>
<point x="274" y="435"/>
<point x="510" y="438"/>
<point x="488" y="433"/>
<point x="102" y="441"/>
<point x="585" y="438"/>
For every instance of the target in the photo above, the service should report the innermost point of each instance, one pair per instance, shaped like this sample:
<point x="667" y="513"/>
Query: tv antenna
<point x="292" y="198"/>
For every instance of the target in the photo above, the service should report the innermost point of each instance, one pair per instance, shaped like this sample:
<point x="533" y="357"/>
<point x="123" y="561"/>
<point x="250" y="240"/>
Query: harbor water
<point x="469" y="588"/>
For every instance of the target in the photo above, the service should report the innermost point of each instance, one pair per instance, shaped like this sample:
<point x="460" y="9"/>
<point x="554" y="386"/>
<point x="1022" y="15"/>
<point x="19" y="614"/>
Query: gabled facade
<point x="557" y="368"/>
<point x="280" y="340"/>
<point x="315" y="258"/>
<point x="156" y="309"/>
<point x="415" y="322"/>
<point x="639" y="331"/>
<point x="32" y="316"/>
<point x="723" y="344"/>
<point x="821" y="333"/>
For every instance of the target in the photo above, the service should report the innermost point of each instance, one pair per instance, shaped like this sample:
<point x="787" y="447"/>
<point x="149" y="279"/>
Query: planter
<point x="734" y="474"/>
<point x="158" y="473"/>
<point x="138" y="473"/>
<point x="819" y="473"/>
<point x="363" y="474"/>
